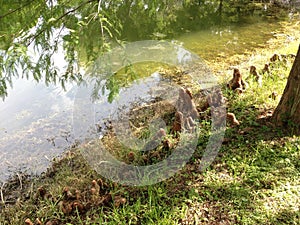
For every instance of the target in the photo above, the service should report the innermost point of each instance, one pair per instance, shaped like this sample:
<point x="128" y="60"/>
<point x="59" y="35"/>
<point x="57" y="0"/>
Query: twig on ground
<point x="1" y="193"/>
<point x="20" y="180"/>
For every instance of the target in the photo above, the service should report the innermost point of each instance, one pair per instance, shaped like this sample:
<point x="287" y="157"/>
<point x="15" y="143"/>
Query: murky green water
<point x="36" y="121"/>
<point x="231" y="40"/>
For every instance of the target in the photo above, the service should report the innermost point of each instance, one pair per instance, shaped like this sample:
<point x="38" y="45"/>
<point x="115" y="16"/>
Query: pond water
<point x="218" y="44"/>
<point x="36" y="122"/>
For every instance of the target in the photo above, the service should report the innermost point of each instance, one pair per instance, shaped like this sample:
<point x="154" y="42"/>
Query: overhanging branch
<point x="59" y="18"/>
<point x="17" y="9"/>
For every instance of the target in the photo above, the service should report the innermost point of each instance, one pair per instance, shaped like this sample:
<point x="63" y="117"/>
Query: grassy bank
<point x="255" y="178"/>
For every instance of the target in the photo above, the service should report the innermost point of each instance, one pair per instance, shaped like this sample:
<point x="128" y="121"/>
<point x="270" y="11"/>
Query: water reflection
<point x="35" y="126"/>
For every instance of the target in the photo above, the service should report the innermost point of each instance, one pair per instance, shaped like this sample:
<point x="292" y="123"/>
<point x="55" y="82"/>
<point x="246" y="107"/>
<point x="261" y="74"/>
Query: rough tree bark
<point x="288" y="109"/>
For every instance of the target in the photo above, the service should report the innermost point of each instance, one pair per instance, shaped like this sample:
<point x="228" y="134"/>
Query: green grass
<point x="255" y="178"/>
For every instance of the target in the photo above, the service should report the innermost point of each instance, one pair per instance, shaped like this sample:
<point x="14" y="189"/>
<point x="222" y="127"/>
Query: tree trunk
<point x="287" y="112"/>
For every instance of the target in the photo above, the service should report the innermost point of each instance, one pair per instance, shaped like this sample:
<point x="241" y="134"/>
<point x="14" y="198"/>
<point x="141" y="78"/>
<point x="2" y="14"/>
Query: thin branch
<point x="73" y="10"/>
<point x="17" y="9"/>
<point x="62" y="16"/>
<point x="101" y="24"/>
<point x="56" y="40"/>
